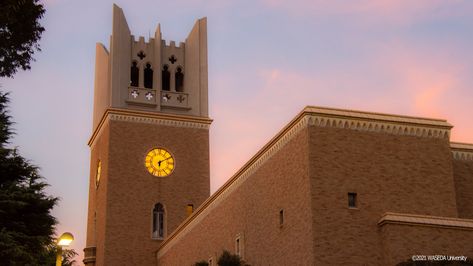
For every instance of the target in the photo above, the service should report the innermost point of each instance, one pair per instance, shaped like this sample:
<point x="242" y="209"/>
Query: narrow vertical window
<point x="237" y="246"/>
<point x="179" y="80"/>
<point x="189" y="209"/>
<point x="158" y="221"/>
<point x="281" y="217"/>
<point x="211" y="262"/>
<point x="148" y="76"/>
<point x="352" y="200"/>
<point x="95" y="221"/>
<point x="166" y="79"/>
<point x="134" y="74"/>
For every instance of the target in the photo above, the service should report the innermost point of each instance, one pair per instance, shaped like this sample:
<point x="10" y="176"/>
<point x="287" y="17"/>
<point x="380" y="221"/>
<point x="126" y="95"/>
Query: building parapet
<point x="425" y="220"/>
<point x="462" y="151"/>
<point x="378" y="122"/>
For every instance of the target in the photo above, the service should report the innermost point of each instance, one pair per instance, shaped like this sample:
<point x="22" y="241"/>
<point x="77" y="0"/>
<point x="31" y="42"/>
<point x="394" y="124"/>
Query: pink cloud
<point x="395" y="11"/>
<point x="430" y="83"/>
<point x="396" y="77"/>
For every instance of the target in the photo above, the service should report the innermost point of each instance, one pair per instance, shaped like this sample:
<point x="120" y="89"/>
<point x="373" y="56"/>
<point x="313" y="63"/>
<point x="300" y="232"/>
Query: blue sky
<point x="267" y="60"/>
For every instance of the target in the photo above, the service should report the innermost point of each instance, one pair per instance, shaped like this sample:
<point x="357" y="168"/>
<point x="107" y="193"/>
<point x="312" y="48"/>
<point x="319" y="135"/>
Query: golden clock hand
<point x="159" y="162"/>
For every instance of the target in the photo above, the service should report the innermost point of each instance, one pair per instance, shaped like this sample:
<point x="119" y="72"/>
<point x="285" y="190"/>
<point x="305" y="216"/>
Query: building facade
<point x="333" y="187"/>
<point x="339" y="187"/>
<point x="149" y="165"/>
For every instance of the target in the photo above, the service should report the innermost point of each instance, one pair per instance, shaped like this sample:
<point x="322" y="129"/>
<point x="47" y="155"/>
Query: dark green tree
<point x="20" y="32"/>
<point x="68" y="256"/>
<point x="26" y="223"/>
<point x="201" y="263"/>
<point x="228" y="259"/>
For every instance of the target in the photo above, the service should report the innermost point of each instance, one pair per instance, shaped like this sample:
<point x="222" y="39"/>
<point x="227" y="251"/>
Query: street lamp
<point x="63" y="241"/>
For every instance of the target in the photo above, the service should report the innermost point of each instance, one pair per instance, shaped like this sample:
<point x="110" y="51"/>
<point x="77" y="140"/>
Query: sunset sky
<point x="267" y="60"/>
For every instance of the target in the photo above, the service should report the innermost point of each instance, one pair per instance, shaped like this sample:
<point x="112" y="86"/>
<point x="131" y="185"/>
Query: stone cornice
<point x="115" y="114"/>
<point x="314" y="116"/>
<point x="425" y="220"/>
<point x="462" y="151"/>
<point x="377" y="122"/>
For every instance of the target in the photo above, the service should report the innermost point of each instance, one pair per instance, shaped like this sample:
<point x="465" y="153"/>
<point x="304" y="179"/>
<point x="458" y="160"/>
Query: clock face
<point x="159" y="162"/>
<point x="97" y="174"/>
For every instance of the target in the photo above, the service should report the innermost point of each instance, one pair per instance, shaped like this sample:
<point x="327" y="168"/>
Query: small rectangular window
<point x="352" y="201"/>
<point x="281" y="217"/>
<point x="189" y="209"/>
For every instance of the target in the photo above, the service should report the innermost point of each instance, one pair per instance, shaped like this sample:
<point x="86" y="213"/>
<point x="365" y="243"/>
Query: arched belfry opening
<point x="158" y="221"/>
<point x="179" y="79"/>
<point x="166" y="78"/>
<point x="148" y="80"/>
<point x="134" y="74"/>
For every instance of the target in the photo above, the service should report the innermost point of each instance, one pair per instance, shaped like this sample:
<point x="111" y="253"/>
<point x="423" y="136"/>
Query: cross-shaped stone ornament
<point x="134" y="93"/>
<point x="173" y="59"/>
<point x="149" y="96"/>
<point x="141" y="55"/>
<point x="181" y="98"/>
<point x="166" y="97"/>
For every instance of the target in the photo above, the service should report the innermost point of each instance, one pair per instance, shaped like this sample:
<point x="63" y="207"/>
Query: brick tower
<point x="149" y="163"/>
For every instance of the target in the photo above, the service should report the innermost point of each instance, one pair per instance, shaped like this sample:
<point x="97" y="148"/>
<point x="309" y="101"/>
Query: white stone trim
<point x="462" y="151"/>
<point x="362" y="115"/>
<point x="387" y="127"/>
<point x="157" y="121"/>
<point x="149" y="118"/>
<point x="378" y="122"/>
<point x="462" y="155"/>
<point x="425" y="220"/>
<point x="98" y="132"/>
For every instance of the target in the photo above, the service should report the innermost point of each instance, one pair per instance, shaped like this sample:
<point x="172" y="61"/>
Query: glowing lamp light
<point x="65" y="239"/>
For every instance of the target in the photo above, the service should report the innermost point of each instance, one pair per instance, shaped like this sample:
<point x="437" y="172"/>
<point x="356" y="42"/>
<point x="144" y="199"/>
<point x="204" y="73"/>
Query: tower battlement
<point x="151" y="76"/>
<point x="149" y="150"/>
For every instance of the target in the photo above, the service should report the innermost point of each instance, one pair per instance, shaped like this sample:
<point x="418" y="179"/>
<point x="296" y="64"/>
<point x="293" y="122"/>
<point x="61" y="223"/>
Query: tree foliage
<point x="20" y="32"/>
<point x="201" y="263"/>
<point x="228" y="259"/>
<point x="68" y="256"/>
<point x="26" y="224"/>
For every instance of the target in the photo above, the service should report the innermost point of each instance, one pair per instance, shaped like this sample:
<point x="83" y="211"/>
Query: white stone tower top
<point x="151" y="76"/>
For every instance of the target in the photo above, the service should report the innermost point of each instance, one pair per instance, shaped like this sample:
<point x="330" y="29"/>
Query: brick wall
<point x="132" y="192"/>
<point x="97" y="196"/>
<point x="252" y="211"/>
<point x="401" y="242"/>
<point x="463" y="176"/>
<point x="405" y="174"/>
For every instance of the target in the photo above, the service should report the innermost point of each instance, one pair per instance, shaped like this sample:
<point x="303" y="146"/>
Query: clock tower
<point x="149" y="164"/>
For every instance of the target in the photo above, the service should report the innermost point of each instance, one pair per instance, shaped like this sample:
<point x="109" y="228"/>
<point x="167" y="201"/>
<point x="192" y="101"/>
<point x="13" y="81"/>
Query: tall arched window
<point x="179" y="79"/>
<point x="148" y="76"/>
<point x="158" y="221"/>
<point x="166" y="78"/>
<point x="134" y="74"/>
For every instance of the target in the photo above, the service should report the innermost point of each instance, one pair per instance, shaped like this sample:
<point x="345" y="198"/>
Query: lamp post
<point x="63" y="241"/>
